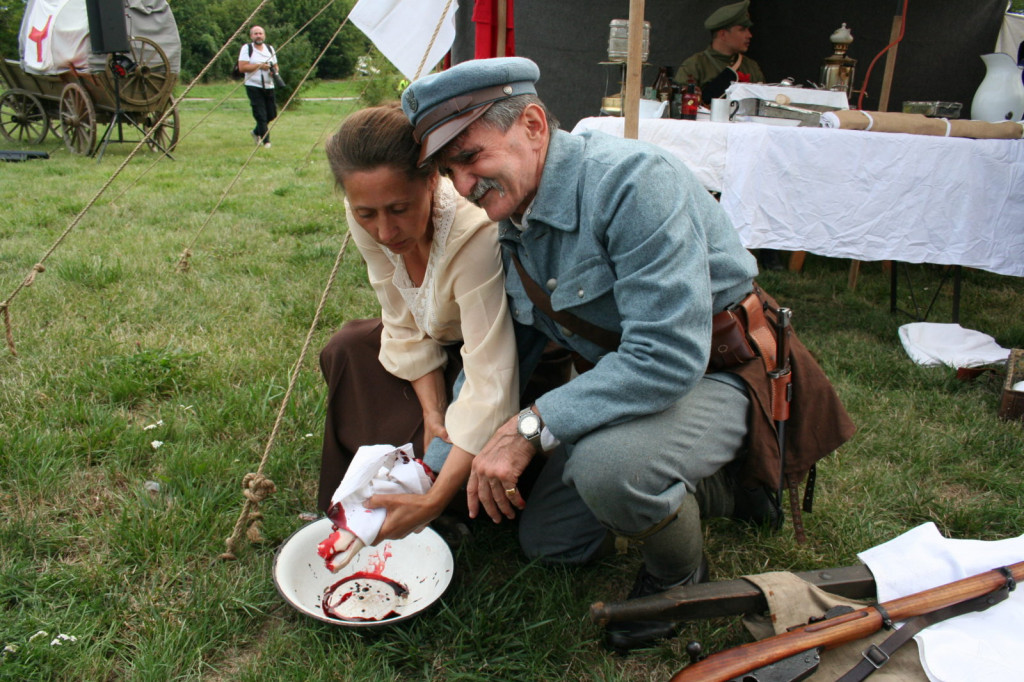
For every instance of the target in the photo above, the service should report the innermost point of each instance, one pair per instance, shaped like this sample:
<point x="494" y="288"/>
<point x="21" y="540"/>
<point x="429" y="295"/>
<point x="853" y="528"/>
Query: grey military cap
<point x="442" y="105"/>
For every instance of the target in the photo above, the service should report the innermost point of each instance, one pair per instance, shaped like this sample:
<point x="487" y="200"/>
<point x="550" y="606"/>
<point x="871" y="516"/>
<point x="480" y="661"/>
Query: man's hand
<point x="496" y="471"/>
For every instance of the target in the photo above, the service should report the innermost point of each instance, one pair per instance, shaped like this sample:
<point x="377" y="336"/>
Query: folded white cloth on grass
<point x="932" y="343"/>
<point x="976" y="646"/>
<point x="378" y="469"/>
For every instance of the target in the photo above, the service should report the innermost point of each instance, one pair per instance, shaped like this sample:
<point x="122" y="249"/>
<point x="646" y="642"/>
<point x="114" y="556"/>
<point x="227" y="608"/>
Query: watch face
<point x="529" y="425"/>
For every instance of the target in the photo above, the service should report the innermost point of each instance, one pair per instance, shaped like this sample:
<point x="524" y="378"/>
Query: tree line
<point x="204" y="26"/>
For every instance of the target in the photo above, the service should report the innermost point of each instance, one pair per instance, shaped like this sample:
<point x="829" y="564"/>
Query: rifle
<point x="831" y="632"/>
<point x="727" y="597"/>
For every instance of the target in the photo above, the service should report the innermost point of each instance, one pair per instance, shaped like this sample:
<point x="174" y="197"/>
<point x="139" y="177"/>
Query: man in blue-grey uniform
<point x="613" y="251"/>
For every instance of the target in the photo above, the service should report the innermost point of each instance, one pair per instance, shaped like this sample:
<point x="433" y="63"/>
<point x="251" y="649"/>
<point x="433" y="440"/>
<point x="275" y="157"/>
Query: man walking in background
<point x="258" y="61"/>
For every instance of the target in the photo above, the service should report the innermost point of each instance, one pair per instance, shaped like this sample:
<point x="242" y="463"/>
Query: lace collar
<point x="420" y="299"/>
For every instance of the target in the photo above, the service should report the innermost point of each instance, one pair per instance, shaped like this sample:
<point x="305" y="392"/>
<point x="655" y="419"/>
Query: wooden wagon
<point x="132" y="87"/>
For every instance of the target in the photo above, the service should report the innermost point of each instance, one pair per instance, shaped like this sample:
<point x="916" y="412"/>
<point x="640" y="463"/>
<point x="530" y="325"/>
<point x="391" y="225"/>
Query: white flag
<point x="402" y="31"/>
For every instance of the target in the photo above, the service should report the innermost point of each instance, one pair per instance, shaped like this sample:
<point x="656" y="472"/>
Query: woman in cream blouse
<point x="434" y="264"/>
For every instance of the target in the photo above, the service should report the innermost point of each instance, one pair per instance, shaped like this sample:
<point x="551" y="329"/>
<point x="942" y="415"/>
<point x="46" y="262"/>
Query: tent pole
<point x="890" y="63"/>
<point x="502" y="27"/>
<point x="634" y="68"/>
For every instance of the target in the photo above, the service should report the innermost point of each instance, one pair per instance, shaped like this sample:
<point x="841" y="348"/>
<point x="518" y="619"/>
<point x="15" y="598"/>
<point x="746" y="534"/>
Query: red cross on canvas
<point x="37" y="37"/>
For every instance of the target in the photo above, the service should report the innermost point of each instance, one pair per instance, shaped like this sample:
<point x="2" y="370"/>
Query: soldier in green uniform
<point x="724" y="61"/>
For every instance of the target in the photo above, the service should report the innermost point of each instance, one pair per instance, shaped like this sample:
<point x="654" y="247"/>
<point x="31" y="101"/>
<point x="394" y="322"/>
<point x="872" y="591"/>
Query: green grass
<point x="112" y="339"/>
<point x="313" y="89"/>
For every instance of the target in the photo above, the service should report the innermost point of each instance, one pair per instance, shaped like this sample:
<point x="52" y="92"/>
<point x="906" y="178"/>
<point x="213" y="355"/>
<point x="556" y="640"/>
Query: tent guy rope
<point x="220" y="102"/>
<point x="184" y="260"/>
<point x="38" y="267"/>
<point x="433" y="37"/>
<point x="256" y="487"/>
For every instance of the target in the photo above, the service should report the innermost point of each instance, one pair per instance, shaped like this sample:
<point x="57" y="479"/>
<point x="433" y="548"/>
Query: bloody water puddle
<point x="366" y="595"/>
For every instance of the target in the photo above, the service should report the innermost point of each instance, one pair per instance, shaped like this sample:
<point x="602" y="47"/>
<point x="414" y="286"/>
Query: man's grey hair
<point x="503" y="114"/>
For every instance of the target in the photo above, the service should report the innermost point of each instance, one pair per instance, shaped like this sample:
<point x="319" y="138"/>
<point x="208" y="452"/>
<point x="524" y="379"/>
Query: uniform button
<point x="551" y="284"/>
<point x="580" y="293"/>
<point x="515" y="311"/>
<point x="566" y="332"/>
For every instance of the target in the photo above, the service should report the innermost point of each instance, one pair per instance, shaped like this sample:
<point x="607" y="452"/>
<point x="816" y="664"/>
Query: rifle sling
<point x="875" y="656"/>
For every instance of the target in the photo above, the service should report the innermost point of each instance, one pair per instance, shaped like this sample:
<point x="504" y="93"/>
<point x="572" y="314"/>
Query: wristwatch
<point x="529" y="426"/>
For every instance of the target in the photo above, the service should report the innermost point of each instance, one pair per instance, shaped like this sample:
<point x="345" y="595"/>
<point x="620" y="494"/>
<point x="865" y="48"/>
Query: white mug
<point x="720" y="110"/>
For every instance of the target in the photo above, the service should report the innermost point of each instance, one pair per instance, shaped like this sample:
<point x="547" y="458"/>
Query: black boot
<point x="624" y="636"/>
<point x="758" y="507"/>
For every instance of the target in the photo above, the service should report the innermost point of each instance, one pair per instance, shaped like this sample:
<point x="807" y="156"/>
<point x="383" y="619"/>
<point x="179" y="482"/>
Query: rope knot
<point x="257" y="487"/>
<point x="37" y="268"/>
<point x="184" y="262"/>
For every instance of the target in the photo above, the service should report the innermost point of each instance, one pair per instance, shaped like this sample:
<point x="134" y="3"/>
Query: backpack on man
<point x="237" y="73"/>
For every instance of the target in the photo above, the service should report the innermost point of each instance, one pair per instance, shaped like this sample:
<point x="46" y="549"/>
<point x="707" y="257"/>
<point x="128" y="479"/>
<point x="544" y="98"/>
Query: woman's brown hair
<point x="374" y="137"/>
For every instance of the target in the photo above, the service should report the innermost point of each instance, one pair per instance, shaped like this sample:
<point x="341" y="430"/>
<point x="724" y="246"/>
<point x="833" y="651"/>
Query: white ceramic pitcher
<point x="1000" y="97"/>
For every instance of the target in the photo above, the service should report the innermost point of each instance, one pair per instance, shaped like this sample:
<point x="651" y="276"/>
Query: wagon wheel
<point x="165" y="137"/>
<point x="77" y="119"/>
<point x="22" y="117"/>
<point x="147" y="80"/>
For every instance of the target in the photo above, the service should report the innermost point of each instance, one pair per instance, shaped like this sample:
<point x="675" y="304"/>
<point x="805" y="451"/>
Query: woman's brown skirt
<point x="366" y="405"/>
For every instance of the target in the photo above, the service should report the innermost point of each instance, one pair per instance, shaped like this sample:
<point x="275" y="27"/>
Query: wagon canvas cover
<point x="54" y="35"/>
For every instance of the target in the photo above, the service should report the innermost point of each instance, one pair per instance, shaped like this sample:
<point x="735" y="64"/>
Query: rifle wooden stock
<point x="727" y="597"/>
<point x="848" y="627"/>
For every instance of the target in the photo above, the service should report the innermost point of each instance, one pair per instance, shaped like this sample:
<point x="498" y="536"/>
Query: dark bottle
<point x="663" y="85"/>
<point x="675" y="107"/>
<point x="691" y="101"/>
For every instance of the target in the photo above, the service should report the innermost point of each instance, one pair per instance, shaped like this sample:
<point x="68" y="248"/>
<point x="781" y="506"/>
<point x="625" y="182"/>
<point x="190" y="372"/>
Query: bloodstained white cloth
<point x="378" y="469"/>
<point x="933" y="343"/>
<point x="984" y="645"/>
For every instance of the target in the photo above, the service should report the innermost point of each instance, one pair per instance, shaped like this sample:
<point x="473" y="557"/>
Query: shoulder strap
<point x="875" y="656"/>
<point x="250" y="50"/>
<point x="608" y="340"/>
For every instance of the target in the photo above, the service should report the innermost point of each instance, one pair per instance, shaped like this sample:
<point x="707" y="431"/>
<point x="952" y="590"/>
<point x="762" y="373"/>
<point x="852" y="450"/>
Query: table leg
<point x="851" y="281"/>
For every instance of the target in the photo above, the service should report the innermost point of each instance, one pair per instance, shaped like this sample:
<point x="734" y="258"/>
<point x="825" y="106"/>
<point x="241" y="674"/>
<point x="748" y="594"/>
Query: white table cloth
<point x="856" y="194"/>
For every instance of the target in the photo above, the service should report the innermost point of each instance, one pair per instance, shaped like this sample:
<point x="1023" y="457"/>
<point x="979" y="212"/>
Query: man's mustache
<point x="481" y="188"/>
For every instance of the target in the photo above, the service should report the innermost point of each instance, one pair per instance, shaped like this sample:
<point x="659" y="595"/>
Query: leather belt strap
<point x="875" y="656"/>
<point x="608" y="340"/>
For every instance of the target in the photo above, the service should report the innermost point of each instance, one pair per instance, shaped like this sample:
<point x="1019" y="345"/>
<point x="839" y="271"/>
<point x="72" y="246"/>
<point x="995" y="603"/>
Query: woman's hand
<point x="410" y="513"/>
<point x="433" y="426"/>
<point x="405" y="514"/>
<point x="430" y="391"/>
